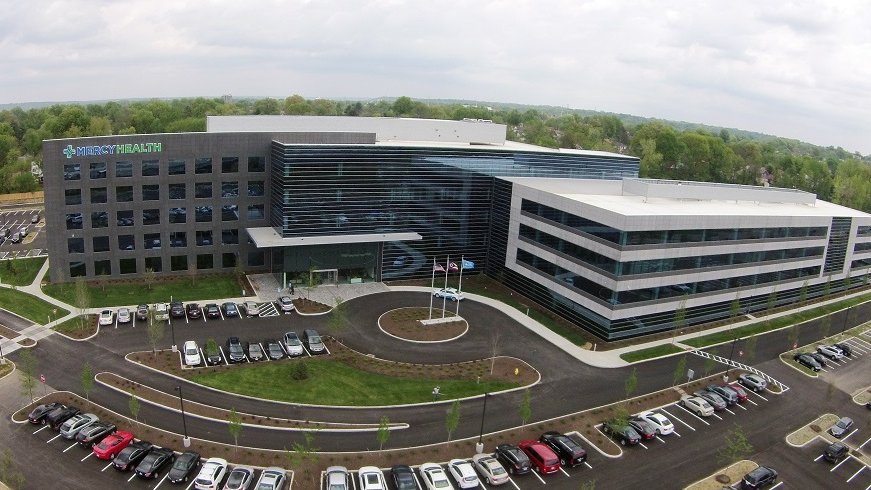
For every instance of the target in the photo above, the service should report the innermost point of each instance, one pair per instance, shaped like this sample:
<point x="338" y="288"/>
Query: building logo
<point x="97" y="150"/>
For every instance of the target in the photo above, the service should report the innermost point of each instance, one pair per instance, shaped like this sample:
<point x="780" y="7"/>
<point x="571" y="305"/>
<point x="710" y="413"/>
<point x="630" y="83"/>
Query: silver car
<point x="286" y="304"/>
<point x="293" y="345"/>
<point x="272" y="478"/>
<point x="124" y="315"/>
<point x="71" y="427"/>
<point x="338" y="478"/>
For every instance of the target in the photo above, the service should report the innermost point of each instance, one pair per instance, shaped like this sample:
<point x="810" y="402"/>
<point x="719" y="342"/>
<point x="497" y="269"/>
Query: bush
<point x="300" y="371"/>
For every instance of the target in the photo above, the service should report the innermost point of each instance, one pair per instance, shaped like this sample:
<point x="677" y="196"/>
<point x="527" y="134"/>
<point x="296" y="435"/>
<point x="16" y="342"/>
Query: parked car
<point x="112" y="444"/>
<point x="753" y="382"/>
<point x="624" y="433"/>
<point x="184" y="465"/>
<point x="131" y="455"/>
<point x="543" y="459"/>
<point x="107" y="317"/>
<point x="272" y="478"/>
<point x="88" y="436"/>
<point x="124" y="315"/>
<point x="293" y="345"/>
<point x="193" y="311"/>
<point x="211" y="474"/>
<point x="212" y="353"/>
<point x="759" y="478"/>
<point x="253" y="351"/>
<point x="836" y="451"/>
<point x="251" y="308"/>
<point x="714" y="399"/>
<point x="513" y="459"/>
<point x="845" y="349"/>
<point x="235" y="352"/>
<point x="60" y="415"/>
<point x="821" y="359"/>
<point x="161" y="312"/>
<point x="570" y="453"/>
<point x="645" y="430"/>
<point x="660" y="422"/>
<point x="403" y="477"/>
<point x="371" y="478"/>
<point x="154" y="462"/>
<point x="490" y="469"/>
<point x="726" y="393"/>
<point x="240" y="478"/>
<point x="286" y="304"/>
<point x="230" y="309"/>
<point x="142" y="313"/>
<point x="830" y="351"/>
<point x="697" y="405"/>
<point x="449" y="293"/>
<point x="742" y="395"/>
<point x="176" y="309"/>
<point x="463" y="473"/>
<point x="337" y="478"/>
<point x="273" y="349"/>
<point x="38" y="414"/>
<point x="74" y="424"/>
<point x="212" y="311"/>
<point x="34" y="219"/>
<point x="191" y="354"/>
<point x="841" y="427"/>
<point x="313" y="341"/>
<point x="807" y="361"/>
<point x="434" y="477"/>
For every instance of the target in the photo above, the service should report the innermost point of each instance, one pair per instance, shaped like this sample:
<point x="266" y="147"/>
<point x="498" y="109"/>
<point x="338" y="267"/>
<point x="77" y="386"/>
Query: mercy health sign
<point x="96" y="150"/>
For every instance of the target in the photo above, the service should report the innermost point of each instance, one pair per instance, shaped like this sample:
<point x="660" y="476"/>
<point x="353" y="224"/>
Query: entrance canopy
<point x="267" y="237"/>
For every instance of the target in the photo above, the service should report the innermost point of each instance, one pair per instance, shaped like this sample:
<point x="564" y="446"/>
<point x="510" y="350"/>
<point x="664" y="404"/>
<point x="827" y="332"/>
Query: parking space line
<point x="856" y="473"/>
<point x="818" y="458"/>
<point x="715" y="415"/>
<point x="326" y="349"/>
<point x="509" y="479"/>
<point x="564" y="472"/>
<point x="694" y="415"/>
<point x="106" y="467"/>
<point x="675" y="432"/>
<point x="660" y="439"/>
<point x="863" y="444"/>
<point x="71" y="446"/>
<point x="588" y="465"/>
<point x="733" y="413"/>
<point x="778" y="484"/>
<point x="226" y="362"/>
<point x="760" y="396"/>
<point x="839" y="464"/>
<point x="190" y="484"/>
<point x="265" y="356"/>
<point x="203" y="357"/>
<point x="642" y="445"/>
<point x="740" y="406"/>
<point x="850" y="434"/>
<point x="751" y="401"/>
<point x="161" y="480"/>
<point x="86" y="457"/>
<point x="41" y="428"/>
<point x="53" y="438"/>
<point x="679" y="420"/>
<point x="539" y="477"/>
<point x="131" y="477"/>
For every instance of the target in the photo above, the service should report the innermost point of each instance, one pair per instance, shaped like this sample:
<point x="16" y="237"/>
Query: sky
<point x="796" y="69"/>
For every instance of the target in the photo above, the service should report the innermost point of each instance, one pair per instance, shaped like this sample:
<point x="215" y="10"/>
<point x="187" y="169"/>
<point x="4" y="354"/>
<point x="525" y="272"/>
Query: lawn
<point x="121" y="293"/>
<point x="335" y="383"/>
<point x="73" y="327"/>
<point x="20" y="272"/>
<point x="29" y="307"/>
<point x="650" y="352"/>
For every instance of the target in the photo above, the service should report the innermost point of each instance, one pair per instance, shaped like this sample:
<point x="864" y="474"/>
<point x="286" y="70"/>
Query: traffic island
<point x="422" y="325"/>
<point x="724" y="477"/>
<point x="812" y="430"/>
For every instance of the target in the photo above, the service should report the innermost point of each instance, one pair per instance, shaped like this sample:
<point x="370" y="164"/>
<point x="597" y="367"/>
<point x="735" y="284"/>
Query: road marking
<point x="226" y="362"/>
<point x="679" y="420"/>
<point x="53" y="438"/>
<point x="760" y="396"/>
<point x="740" y="406"/>
<point x="71" y="446"/>
<point x="588" y="465"/>
<point x="866" y="442"/>
<point x="509" y="479"/>
<point x="41" y="428"/>
<point x="839" y="464"/>
<point x="106" y="467"/>
<point x="203" y="357"/>
<point x="675" y="432"/>
<point x="194" y="479"/>
<point x="131" y="477"/>
<point x="88" y="456"/>
<point x="751" y="401"/>
<point x="775" y="486"/>
<point x="161" y="480"/>
<point x="564" y="472"/>
<point x="850" y="434"/>
<point x="733" y="413"/>
<point x="263" y="351"/>
<point x="660" y="439"/>
<point x="818" y="458"/>
<point x="642" y="444"/>
<point x="694" y="415"/>
<point x="715" y="415"/>
<point x="856" y="473"/>
<point x="539" y="477"/>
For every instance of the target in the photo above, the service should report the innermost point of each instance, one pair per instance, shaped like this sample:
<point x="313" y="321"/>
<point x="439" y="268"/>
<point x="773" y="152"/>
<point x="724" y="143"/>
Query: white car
<point x="434" y="477"/>
<point x="191" y="354"/>
<point x="660" y="422"/>
<point x="124" y="315"/>
<point x="697" y="405"/>
<point x="337" y="478"/>
<point x="251" y="308"/>
<point x="286" y="304"/>
<point x="240" y="478"/>
<point x="71" y="427"/>
<point x="107" y="317"/>
<point x="449" y="293"/>
<point x="463" y="473"/>
<point x="371" y="478"/>
<point x="272" y="478"/>
<point x="211" y="474"/>
<point x="830" y="351"/>
<point x="490" y="469"/>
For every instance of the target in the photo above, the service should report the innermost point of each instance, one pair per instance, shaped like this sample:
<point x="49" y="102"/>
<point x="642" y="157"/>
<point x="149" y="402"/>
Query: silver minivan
<point x="313" y="341"/>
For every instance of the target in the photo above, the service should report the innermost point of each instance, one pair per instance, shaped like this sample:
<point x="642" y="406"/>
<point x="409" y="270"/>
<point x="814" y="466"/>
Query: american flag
<point x="438" y="268"/>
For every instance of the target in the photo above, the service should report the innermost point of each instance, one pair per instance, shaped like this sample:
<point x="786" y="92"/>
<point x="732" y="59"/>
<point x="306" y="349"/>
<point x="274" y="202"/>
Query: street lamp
<point x="2" y="359"/>
<point x="479" y="447"/>
<point x="187" y="440"/>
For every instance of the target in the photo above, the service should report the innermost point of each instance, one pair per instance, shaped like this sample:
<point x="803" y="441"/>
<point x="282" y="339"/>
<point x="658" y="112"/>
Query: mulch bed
<point x="405" y="324"/>
<point x="305" y="305"/>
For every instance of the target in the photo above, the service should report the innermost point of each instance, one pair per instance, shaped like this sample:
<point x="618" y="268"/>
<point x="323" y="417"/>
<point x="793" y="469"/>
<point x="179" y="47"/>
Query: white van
<point x="161" y="312"/>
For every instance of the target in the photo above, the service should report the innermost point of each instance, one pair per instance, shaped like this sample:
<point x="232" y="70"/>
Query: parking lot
<point x="33" y="244"/>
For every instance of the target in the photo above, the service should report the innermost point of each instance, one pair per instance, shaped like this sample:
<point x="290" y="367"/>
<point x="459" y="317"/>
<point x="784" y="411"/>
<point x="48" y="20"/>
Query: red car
<point x="542" y="457"/>
<point x="111" y="445"/>
<point x="742" y="395"/>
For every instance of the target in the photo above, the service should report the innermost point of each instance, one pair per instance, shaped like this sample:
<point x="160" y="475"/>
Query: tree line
<point x="668" y="150"/>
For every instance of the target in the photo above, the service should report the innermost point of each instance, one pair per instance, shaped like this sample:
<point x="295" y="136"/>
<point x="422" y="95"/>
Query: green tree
<point x="793" y="336"/>
<point x="156" y="329"/>
<point x="631" y="383"/>
<point x="83" y="301"/>
<point x="452" y="421"/>
<point x="827" y="289"/>
<point x="825" y="325"/>
<point x="134" y="406"/>
<point x="735" y="307"/>
<point x="383" y="433"/>
<point x="679" y="370"/>
<point x="234" y="426"/>
<point x="27" y="365"/>
<point x="750" y="349"/>
<point x="680" y="318"/>
<point x="149" y="278"/>
<point x="9" y="472"/>
<point x="338" y="317"/>
<point x="302" y="451"/>
<point x="710" y="363"/>
<point x="525" y="407"/>
<point x="736" y="446"/>
<point x="87" y="379"/>
<point x="771" y="302"/>
<point x="402" y="106"/>
<point x="802" y="294"/>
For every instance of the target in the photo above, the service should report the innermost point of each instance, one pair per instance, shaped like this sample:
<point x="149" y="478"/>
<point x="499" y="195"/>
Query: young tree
<point x="680" y="317"/>
<point x="736" y="446"/>
<point x="87" y="379"/>
<point x="825" y="325"/>
<point x="771" y="302"/>
<point x="827" y="289"/>
<point x="155" y="329"/>
<point x="234" y="426"/>
<point x="525" y="407"/>
<point x="495" y="337"/>
<point x="149" y="277"/>
<point x="302" y="451"/>
<point x="9" y="472"/>
<point x="847" y="281"/>
<point x="631" y="383"/>
<point x="27" y="365"/>
<point x="735" y="307"/>
<point x="710" y="363"/>
<point x="192" y="272"/>
<point x="313" y="281"/>
<point x="83" y="301"/>
<point x="679" y="370"/>
<point x="133" y="405"/>
<point x="383" y="433"/>
<point x="792" y="336"/>
<point x="750" y="349"/>
<point x="339" y="316"/>
<point x="453" y="418"/>
<point x="802" y="294"/>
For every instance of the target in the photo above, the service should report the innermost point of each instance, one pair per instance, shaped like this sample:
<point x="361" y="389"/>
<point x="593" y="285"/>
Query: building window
<point x="229" y="189"/>
<point x="99" y="219"/>
<point x="151" y="192"/>
<point x="229" y="165"/>
<point x="72" y="196"/>
<point x="76" y="245"/>
<point x="151" y="240"/>
<point x="123" y="169"/>
<point x="74" y="221"/>
<point x="229" y="212"/>
<point x="77" y="269"/>
<point x="178" y="215"/>
<point x="124" y="193"/>
<point x="153" y="264"/>
<point x="228" y="259"/>
<point x="178" y="239"/>
<point x="255" y="188"/>
<point x="256" y="164"/>
<point x="102" y="268"/>
<point x="99" y="195"/>
<point x="229" y="237"/>
<point x="150" y="216"/>
<point x="204" y="238"/>
<point x="176" y="191"/>
<point x="125" y="242"/>
<point x="73" y="171"/>
<point x="150" y="168"/>
<point x="125" y="218"/>
<point x="205" y="261"/>
<point x="178" y="263"/>
<point x="203" y="166"/>
<point x="176" y="167"/>
<point x="101" y="243"/>
<point x="203" y="190"/>
<point x="256" y="212"/>
<point x="127" y="266"/>
<point x="98" y="170"/>
<point x="256" y="258"/>
<point x="203" y="214"/>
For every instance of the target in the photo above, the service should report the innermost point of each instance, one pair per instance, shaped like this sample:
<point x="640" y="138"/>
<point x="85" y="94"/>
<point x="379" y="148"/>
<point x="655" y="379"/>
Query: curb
<point x="421" y="341"/>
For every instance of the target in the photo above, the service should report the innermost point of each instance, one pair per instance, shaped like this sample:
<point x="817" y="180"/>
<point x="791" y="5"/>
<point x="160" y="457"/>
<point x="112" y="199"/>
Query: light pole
<point x="186" y="441"/>
<point x="479" y="447"/>
<point x="2" y="359"/>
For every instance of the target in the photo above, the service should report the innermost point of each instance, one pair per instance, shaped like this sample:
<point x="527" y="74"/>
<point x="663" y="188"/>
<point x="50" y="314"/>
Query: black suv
<point x="624" y="433"/>
<point x="759" y="477"/>
<point x="807" y="361"/>
<point x="513" y="459"/>
<point x="60" y="415"/>
<point x="193" y="310"/>
<point x="176" y="309"/>
<point x="836" y="451"/>
<point x="235" y="351"/>
<point x="845" y="349"/>
<point x="570" y="452"/>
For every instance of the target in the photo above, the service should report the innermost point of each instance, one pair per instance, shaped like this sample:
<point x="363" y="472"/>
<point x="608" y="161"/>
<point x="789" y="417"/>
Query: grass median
<point x="20" y="272"/>
<point x="650" y="352"/>
<point x="335" y="383"/>
<point x="29" y="306"/>
<point x="121" y="293"/>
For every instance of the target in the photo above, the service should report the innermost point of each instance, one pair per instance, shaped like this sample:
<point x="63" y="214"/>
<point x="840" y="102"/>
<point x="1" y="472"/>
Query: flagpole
<point x="445" y="297"/>
<point x="460" y="287"/>
<point x="432" y="287"/>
